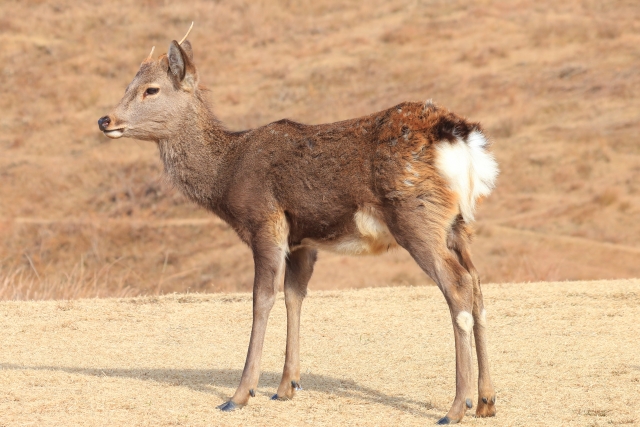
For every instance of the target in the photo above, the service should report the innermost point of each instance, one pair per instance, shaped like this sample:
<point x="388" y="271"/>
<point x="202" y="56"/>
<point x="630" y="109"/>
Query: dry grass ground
<point x="562" y="353"/>
<point x="555" y="83"/>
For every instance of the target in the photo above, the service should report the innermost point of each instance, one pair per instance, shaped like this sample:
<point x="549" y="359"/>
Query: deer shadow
<point x="209" y="380"/>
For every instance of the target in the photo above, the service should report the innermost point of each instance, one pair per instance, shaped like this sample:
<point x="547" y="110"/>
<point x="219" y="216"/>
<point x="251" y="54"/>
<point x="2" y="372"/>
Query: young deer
<point x="408" y="176"/>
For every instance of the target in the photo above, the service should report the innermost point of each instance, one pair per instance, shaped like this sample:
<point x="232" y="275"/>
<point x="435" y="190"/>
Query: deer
<point x="409" y="176"/>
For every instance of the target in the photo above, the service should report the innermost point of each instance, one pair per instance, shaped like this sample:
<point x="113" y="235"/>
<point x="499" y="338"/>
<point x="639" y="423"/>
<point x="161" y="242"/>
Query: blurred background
<point x="555" y="84"/>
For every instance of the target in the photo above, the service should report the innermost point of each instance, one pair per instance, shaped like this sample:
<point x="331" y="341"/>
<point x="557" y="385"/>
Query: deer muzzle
<point x="104" y="123"/>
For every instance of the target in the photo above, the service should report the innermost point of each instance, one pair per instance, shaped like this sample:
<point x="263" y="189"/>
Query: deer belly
<point x="370" y="236"/>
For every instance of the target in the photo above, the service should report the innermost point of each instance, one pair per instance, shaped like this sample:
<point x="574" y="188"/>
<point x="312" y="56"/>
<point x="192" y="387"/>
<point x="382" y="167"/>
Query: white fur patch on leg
<point x="465" y="321"/>
<point x="483" y="317"/>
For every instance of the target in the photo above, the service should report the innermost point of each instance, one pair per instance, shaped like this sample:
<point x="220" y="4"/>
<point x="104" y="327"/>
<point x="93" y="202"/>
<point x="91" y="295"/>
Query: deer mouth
<point x="114" y="133"/>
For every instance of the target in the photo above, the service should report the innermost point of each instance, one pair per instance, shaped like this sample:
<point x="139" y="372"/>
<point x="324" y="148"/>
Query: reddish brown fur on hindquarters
<point x="409" y="176"/>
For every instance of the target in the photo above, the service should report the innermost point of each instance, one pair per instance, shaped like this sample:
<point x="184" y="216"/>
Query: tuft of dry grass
<point x="17" y="286"/>
<point x="606" y="198"/>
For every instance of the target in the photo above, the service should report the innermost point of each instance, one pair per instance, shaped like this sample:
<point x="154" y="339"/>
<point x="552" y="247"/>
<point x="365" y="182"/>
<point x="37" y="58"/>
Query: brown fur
<point x="361" y="185"/>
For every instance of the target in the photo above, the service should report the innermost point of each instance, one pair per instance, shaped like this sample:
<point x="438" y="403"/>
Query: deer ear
<point x="186" y="47"/>
<point x="181" y="65"/>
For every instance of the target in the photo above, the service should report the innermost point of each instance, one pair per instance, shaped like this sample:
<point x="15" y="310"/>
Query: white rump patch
<point x="465" y="321"/>
<point x="469" y="168"/>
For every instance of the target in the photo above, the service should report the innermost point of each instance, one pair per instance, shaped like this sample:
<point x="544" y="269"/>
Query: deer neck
<point x="193" y="157"/>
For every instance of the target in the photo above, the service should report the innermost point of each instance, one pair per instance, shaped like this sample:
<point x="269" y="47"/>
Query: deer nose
<point x="103" y="122"/>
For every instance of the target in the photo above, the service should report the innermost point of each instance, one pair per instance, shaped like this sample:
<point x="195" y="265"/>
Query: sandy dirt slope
<point x="555" y="84"/>
<point x="563" y="353"/>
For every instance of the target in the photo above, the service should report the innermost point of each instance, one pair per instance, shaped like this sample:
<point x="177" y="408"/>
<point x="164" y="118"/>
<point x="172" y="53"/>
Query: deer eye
<point x="151" y="90"/>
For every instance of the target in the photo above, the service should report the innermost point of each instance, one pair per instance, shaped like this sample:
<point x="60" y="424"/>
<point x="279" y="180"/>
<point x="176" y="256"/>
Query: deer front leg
<point x="269" y="264"/>
<point x="299" y="269"/>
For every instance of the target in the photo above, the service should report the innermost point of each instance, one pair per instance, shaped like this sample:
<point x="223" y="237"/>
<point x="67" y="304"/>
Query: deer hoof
<point x="229" y="406"/>
<point x="280" y="398"/>
<point x="443" y="421"/>
<point x="486" y="406"/>
<point x="296" y="385"/>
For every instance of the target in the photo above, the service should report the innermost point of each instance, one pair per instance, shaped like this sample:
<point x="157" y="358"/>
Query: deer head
<point x="158" y="99"/>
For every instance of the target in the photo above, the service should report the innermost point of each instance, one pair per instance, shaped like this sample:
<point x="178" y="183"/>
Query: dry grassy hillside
<point x="562" y="354"/>
<point x="556" y="85"/>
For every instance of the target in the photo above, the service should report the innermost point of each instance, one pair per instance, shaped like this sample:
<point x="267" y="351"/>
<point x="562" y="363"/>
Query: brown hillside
<point x="556" y="84"/>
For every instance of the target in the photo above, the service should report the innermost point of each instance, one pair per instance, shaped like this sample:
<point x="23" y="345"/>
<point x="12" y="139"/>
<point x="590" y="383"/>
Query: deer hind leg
<point x="458" y="242"/>
<point x="298" y="272"/>
<point x="269" y="259"/>
<point x="426" y="241"/>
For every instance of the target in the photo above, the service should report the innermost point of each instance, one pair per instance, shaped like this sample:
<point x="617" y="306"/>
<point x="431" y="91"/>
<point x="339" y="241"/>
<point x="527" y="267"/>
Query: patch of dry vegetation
<point x="554" y="83"/>
<point x="561" y="354"/>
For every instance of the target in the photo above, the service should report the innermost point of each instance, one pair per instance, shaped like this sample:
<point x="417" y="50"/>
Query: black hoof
<point x="469" y="403"/>
<point x="228" y="406"/>
<point x="252" y="393"/>
<point x="281" y="399"/>
<point x="296" y="385"/>
<point x="443" y="421"/>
